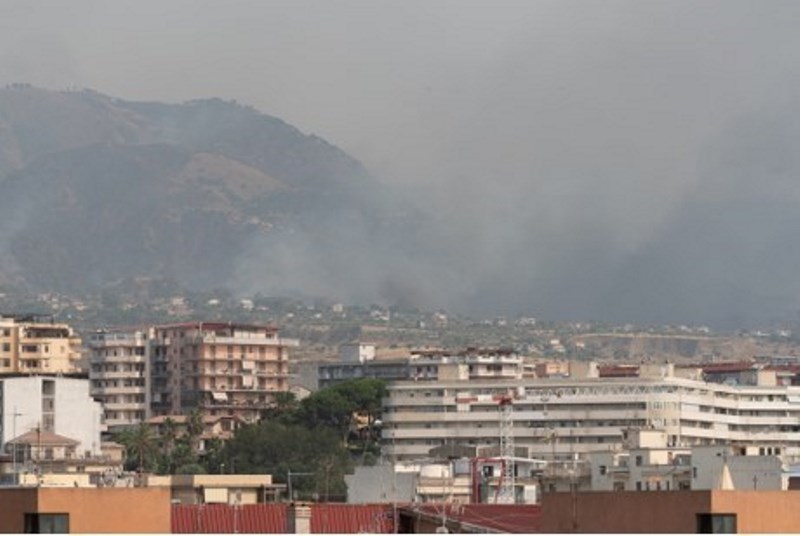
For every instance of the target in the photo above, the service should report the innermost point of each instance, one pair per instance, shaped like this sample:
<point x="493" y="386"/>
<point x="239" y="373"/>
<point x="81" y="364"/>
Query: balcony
<point x="101" y="359"/>
<point x="116" y="375"/>
<point x="245" y="341"/>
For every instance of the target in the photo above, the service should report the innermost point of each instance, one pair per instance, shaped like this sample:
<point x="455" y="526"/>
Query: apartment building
<point x="648" y="463"/>
<point x="218" y="368"/>
<point x="119" y="373"/>
<point x="565" y="418"/>
<point x="479" y="363"/>
<point x="33" y="344"/>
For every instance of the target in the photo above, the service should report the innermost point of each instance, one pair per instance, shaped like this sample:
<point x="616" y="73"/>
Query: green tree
<point x="284" y="408"/>
<point x="277" y="448"/>
<point x="167" y="440"/>
<point x="194" y="430"/>
<point x="141" y="447"/>
<point x="327" y="407"/>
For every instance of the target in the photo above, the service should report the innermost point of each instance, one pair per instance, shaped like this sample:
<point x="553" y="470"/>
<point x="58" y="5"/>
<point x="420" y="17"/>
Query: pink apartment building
<point x="218" y="368"/>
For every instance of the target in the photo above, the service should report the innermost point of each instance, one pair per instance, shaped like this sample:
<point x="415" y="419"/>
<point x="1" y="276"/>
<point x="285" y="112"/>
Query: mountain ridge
<point x="100" y="189"/>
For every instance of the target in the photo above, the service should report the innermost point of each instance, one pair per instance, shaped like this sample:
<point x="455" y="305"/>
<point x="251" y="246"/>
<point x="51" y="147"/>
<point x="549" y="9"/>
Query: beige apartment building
<point x="219" y="368"/>
<point x="119" y="375"/>
<point x="32" y="344"/>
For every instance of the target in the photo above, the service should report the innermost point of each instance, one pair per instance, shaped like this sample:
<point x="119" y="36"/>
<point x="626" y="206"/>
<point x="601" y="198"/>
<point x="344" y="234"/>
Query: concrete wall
<point x="77" y="415"/>
<point x="91" y="510"/>
<point x="762" y="511"/>
<point x="380" y="483"/>
<point x="13" y="505"/>
<point x="669" y="511"/>
<point x="624" y="512"/>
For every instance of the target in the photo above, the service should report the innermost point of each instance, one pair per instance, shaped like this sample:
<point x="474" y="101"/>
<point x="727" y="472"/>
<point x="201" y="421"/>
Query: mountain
<point x="208" y="193"/>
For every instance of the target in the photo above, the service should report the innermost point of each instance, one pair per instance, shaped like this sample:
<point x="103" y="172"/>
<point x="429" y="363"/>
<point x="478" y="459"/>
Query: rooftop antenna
<point x="507" y="482"/>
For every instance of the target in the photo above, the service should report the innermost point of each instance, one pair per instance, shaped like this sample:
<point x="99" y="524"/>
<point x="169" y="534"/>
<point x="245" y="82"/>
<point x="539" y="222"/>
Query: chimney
<point x="299" y="518"/>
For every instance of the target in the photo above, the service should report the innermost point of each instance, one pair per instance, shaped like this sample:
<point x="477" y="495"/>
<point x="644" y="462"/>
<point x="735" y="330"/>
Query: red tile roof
<point x="272" y="518"/>
<point x="43" y="438"/>
<point x="352" y="518"/>
<point x="268" y="518"/>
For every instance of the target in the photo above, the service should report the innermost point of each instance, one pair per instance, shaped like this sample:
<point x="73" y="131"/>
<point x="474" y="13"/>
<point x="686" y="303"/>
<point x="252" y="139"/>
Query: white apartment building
<point x="119" y="372"/>
<point x="566" y="418"/>
<point x="53" y="405"/>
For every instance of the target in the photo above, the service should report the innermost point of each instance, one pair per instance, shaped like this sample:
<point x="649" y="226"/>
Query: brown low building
<point x="672" y="512"/>
<point x="84" y="510"/>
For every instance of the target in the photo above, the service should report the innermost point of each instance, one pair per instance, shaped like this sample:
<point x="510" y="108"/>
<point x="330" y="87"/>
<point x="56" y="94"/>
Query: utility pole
<point x="14" y="446"/>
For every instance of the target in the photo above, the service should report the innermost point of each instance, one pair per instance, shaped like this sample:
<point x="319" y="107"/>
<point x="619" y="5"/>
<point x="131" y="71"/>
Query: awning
<point x="219" y="396"/>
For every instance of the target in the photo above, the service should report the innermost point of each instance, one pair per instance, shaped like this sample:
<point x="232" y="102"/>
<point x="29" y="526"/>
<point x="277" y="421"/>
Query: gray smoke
<point x="620" y="160"/>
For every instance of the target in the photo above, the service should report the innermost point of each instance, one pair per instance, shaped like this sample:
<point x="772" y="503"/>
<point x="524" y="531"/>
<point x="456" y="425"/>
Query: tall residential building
<point x="567" y="417"/>
<point x="31" y="344"/>
<point x="119" y="372"/>
<point x="218" y="368"/>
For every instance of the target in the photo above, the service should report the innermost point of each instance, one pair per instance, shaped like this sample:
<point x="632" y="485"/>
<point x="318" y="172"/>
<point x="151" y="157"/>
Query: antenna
<point x="505" y="489"/>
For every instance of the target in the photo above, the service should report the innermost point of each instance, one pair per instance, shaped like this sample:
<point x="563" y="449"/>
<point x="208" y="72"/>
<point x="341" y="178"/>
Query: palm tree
<point x="167" y="437"/>
<point x="194" y="430"/>
<point x="140" y="445"/>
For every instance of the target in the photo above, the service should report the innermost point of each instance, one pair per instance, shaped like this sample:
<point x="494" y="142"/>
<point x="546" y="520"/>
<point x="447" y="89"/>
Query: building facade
<point x="119" y="371"/>
<point x="217" y="368"/>
<point x="647" y="463"/>
<point x="423" y="365"/>
<point x="566" y="418"/>
<point x="31" y="344"/>
<point x="46" y="406"/>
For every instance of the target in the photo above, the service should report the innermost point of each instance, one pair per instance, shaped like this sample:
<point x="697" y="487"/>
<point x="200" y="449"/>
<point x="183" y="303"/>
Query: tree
<point x="167" y="443"/>
<point x="365" y="395"/>
<point x="329" y="408"/>
<point x="276" y="448"/>
<point x="141" y="447"/>
<point x="194" y="430"/>
<point x="284" y="407"/>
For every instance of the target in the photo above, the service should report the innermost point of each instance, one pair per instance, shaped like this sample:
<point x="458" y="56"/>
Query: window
<point x="638" y="461"/>
<point x="46" y="523"/>
<point x="603" y="469"/>
<point x="716" y="523"/>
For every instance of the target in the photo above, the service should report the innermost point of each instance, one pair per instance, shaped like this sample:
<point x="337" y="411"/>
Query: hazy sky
<point x="624" y="160"/>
